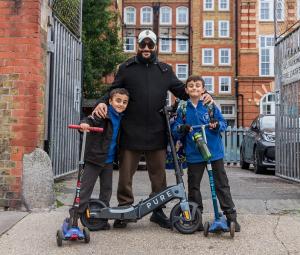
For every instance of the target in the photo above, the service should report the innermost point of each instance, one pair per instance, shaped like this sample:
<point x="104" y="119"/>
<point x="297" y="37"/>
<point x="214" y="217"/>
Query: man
<point x="143" y="127"/>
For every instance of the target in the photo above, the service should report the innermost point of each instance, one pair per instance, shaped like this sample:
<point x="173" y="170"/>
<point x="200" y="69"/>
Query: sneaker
<point x="120" y="224"/>
<point x="160" y="218"/>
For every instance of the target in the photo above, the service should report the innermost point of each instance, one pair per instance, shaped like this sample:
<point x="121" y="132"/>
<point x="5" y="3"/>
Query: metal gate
<point x="287" y="80"/>
<point x="65" y="61"/>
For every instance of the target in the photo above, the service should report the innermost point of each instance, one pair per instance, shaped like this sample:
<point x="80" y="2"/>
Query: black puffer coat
<point x="143" y="127"/>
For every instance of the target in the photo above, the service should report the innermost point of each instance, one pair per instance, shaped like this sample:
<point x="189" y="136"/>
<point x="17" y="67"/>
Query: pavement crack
<point x="266" y="206"/>
<point x="278" y="239"/>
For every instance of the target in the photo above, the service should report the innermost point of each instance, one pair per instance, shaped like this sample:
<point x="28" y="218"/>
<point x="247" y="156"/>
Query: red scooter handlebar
<point x="93" y="129"/>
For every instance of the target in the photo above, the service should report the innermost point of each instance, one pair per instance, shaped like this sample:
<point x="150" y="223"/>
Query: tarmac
<point x="269" y="214"/>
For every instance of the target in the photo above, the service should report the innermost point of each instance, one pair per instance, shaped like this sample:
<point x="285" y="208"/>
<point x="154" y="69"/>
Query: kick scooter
<point x="219" y="224"/>
<point x="70" y="230"/>
<point x="185" y="216"/>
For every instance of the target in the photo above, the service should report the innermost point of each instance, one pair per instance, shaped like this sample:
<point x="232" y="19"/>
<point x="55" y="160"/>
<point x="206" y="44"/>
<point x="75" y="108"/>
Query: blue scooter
<point x="70" y="230"/>
<point x="219" y="224"/>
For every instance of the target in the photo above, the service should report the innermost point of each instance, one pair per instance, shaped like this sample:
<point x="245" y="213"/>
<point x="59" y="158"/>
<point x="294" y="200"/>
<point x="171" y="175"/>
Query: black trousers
<point x="195" y="174"/>
<point x="89" y="178"/>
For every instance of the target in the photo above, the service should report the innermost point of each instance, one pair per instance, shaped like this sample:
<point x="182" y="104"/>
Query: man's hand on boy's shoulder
<point x="100" y="110"/>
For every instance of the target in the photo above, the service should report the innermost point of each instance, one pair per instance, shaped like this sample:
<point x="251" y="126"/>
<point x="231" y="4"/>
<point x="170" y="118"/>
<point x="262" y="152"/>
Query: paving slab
<point x="9" y="218"/>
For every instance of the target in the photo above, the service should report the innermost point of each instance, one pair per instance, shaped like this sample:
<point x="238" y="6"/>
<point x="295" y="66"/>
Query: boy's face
<point x="119" y="102"/>
<point x="194" y="89"/>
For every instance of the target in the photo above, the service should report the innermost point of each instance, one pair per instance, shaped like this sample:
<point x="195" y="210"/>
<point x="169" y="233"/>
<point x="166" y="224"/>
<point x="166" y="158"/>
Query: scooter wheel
<point x="93" y="224"/>
<point x="59" y="237"/>
<point x="86" y="234"/>
<point x="232" y="229"/>
<point x="206" y="229"/>
<point x="181" y="224"/>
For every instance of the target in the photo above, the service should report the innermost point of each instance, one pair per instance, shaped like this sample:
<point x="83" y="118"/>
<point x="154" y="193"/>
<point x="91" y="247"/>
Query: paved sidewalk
<point x="269" y="213"/>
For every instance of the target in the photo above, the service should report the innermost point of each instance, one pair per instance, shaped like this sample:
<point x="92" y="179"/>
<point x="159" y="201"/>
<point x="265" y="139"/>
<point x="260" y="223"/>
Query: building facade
<point x="195" y="37"/>
<point x="229" y="43"/>
<point x="256" y="53"/>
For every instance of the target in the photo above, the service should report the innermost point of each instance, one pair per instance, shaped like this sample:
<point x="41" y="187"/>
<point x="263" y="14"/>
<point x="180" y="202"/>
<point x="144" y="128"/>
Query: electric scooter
<point x="219" y="223"/>
<point x="70" y="230"/>
<point x="185" y="216"/>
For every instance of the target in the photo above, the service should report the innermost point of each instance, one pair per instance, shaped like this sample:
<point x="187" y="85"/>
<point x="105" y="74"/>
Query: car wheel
<point x="243" y="164"/>
<point x="258" y="169"/>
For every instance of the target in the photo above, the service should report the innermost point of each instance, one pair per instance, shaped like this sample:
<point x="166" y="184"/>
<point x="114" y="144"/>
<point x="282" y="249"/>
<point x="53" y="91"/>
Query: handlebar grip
<point x="93" y="129"/>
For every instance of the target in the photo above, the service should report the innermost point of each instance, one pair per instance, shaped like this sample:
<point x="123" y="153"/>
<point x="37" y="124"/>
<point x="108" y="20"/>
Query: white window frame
<point x="212" y="83"/>
<point x="161" y="44"/>
<point x="167" y="8"/>
<point x="142" y="15"/>
<point x="205" y="24"/>
<point x="227" y="115"/>
<point x="264" y="101"/>
<point x="213" y="57"/>
<point x="298" y="9"/>
<point x="177" y="44"/>
<point x="125" y="15"/>
<point x="270" y="10"/>
<point x="229" y="85"/>
<point x="134" y="44"/>
<point x="281" y="18"/>
<point x="177" y="15"/>
<point x="227" y="4"/>
<point x="228" y="28"/>
<point x="186" y="74"/>
<point x="208" y="9"/>
<point x="271" y="56"/>
<point x="229" y="56"/>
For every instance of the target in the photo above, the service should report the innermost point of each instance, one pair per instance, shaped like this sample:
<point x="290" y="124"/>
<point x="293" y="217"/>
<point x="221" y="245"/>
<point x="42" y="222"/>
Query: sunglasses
<point x="150" y="44"/>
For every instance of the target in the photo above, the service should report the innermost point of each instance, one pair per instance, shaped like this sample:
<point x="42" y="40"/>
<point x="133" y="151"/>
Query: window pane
<point x="182" y="14"/>
<point x="224" y="84"/>
<point x="147" y="15"/>
<point x="165" y="13"/>
<point x="208" y="83"/>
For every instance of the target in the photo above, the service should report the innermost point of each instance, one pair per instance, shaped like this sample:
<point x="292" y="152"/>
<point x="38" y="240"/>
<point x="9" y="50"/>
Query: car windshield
<point x="268" y="122"/>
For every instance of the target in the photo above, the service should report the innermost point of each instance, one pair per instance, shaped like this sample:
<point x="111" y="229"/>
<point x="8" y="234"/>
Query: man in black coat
<point x="143" y="127"/>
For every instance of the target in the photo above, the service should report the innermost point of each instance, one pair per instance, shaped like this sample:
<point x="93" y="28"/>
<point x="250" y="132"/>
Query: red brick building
<point x="195" y="37"/>
<point x="256" y="54"/>
<point x="22" y="81"/>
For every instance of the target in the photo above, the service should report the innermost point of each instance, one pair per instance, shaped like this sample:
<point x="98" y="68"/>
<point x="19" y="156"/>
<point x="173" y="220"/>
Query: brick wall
<point x="22" y="79"/>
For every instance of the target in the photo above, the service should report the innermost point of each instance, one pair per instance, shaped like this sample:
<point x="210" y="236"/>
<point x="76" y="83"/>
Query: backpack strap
<point x="182" y="106"/>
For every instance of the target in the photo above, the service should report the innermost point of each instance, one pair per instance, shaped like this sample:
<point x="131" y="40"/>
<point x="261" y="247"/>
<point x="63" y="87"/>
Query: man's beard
<point x="149" y="59"/>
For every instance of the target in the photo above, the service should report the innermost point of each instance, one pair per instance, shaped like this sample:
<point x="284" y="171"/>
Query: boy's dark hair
<point x="121" y="91"/>
<point x="195" y="78"/>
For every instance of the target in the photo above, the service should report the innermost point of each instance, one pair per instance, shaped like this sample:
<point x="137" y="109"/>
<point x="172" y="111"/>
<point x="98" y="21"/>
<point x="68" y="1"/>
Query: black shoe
<point x="160" y="218"/>
<point x="120" y="224"/>
<point x="104" y="226"/>
<point x="231" y="216"/>
<point x="201" y="228"/>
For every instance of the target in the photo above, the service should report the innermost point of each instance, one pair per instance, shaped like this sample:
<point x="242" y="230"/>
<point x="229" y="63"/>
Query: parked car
<point x="258" y="145"/>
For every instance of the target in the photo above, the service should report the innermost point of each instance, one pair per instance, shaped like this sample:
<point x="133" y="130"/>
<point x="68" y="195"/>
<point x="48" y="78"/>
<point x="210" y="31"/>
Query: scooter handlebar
<point x="200" y="126"/>
<point x="93" y="129"/>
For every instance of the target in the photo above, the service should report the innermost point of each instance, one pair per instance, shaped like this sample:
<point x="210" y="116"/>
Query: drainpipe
<point x="236" y="82"/>
<point x="156" y="7"/>
<point x="236" y="74"/>
<point x="190" y="40"/>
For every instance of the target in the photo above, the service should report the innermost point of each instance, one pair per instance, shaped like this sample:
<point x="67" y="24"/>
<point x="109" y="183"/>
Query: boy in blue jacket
<point x="192" y="113"/>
